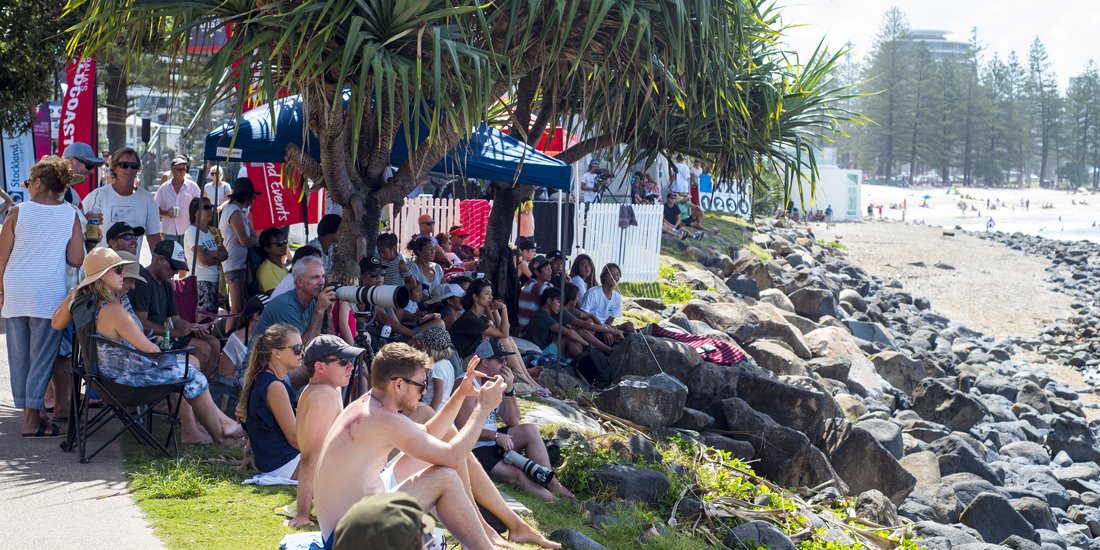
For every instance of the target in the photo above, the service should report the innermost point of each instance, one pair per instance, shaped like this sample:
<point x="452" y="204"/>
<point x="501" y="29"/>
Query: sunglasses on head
<point x="296" y="348"/>
<point x="129" y="165"/>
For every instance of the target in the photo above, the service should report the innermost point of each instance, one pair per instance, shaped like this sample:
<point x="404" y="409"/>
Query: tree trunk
<point x="116" y="81"/>
<point x="495" y="253"/>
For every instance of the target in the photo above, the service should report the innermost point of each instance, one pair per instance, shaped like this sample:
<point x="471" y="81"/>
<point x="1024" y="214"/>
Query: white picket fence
<point x="636" y="248"/>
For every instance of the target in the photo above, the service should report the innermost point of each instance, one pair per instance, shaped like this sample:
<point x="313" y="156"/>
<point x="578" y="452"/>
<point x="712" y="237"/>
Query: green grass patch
<point x="733" y="231"/>
<point x="758" y="251"/>
<point x="670" y="293"/>
<point x="832" y="244"/>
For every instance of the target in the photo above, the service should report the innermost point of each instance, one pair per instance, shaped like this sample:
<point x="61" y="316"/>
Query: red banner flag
<point x="278" y="204"/>
<point x="42" y="132"/>
<point x="78" y="112"/>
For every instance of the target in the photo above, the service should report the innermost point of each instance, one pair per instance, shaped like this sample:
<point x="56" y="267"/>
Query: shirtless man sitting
<point x="328" y="361"/>
<point x="358" y="445"/>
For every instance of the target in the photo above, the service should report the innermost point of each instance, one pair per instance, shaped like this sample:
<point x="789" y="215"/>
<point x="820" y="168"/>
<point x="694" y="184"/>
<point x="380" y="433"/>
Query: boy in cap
<point x="329" y="363"/>
<point x="493" y="442"/>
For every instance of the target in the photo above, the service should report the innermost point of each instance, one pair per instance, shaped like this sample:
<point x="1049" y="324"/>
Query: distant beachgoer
<point x="989" y="225"/>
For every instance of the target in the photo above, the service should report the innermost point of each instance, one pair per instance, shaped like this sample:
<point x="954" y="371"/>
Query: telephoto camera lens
<point x="541" y="474"/>
<point x="395" y="296"/>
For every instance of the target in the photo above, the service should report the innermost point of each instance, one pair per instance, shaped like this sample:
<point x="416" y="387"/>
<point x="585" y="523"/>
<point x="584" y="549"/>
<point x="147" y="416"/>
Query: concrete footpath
<point x="48" y="499"/>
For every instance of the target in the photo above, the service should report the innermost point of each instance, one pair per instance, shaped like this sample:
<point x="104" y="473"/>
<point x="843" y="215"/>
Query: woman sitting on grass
<point x="103" y="281"/>
<point x="268" y="403"/>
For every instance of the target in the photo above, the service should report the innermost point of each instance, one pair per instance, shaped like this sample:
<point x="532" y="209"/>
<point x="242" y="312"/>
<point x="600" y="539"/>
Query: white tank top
<point x="34" y="281"/>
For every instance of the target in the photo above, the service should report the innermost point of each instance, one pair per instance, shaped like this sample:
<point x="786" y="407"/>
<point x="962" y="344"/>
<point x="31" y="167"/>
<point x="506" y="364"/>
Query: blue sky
<point x="1068" y="28"/>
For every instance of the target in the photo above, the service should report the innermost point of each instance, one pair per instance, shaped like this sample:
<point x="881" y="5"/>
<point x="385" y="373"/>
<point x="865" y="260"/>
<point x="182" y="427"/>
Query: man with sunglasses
<point x="123" y="201"/>
<point x="84" y="161"/>
<point x="329" y="362"/>
<point x="123" y="238"/>
<point x="174" y="200"/>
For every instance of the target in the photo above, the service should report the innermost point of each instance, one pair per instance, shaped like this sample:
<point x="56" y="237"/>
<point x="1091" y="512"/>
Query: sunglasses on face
<point x="118" y="269"/>
<point x="296" y="349"/>
<point x="129" y="165"/>
<point x="87" y="165"/>
<point x="208" y="207"/>
<point x="277" y="243"/>
<point x="422" y="385"/>
<point x="343" y="362"/>
<point x="427" y="223"/>
<point x="125" y="237"/>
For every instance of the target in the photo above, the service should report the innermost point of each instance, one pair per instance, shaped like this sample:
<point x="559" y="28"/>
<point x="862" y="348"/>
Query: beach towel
<point x="302" y="541"/>
<point x="711" y="350"/>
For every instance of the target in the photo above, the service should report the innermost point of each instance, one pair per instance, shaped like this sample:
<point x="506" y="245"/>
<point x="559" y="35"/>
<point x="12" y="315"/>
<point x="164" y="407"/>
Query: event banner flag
<point x="18" y="154"/>
<point x="278" y="204"/>
<point x="42" y="143"/>
<point x="78" y="112"/>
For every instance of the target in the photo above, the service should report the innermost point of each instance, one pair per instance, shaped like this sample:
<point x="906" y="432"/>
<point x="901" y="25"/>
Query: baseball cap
<point x="327" y="345"/>
<point x="131" y="270"/>
<point x="442" y="292"/>
<point x="527" y="244"/>
<point x="119" y="228"/>
<point x="458" y="231"/>
<point x="555" y="255"/>
<point x="173" y="252"/>
<point x="82" y="151"/>
<point x="243" y="186"/>
<point x="371" y="265"/>
<point x="180" y="159"/>
<point x="491" y="349"/>
<point x="538" y="262"/>
<point x="386" y="520"/>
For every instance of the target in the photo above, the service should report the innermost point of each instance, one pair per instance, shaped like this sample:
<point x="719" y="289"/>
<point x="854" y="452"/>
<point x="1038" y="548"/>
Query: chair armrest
<point x="151" y="355"/>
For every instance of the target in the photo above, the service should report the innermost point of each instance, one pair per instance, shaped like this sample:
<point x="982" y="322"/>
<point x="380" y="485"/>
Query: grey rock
<point x="852" y="297"/>
<point x="874" y="506"/>
<point x="573" y="539"/>
<point x="800" y="407"/>
<point x="870" y="332"/>
<point x="934" y="503"/>
<point x="743" y="285"/>
<point x="775" y="297"/>
<point x="1081" y="477"/>
<point x="652" y="401"/>
<point x="637" y="484"/>
<point x="1016" y="542"/>
<point x="738" y="449"/>
<point x="708" y="382"/>
<point x="886" y="433"/>
<point x="1033" y="396"/>
<point x="756" y="534"/>
<point x="1040" y="480"/>
<point x="694" y="420"/>
<point x="634" y="357"/>
<point x="900" y="370"/>
<point x="835" y="368"/>
<point x="813" y="303"/>
<point x="956" y="456"/>
<point x="936" y="401"/>
<point x="967" y="491"/>
<point x="992" y="516"/>
<point x="954" y="536"/>
<point x="924" y="466"/>
<point x="1036" y="512"/>
<point x="1032" y="453"/>
<point x="776" y="357"/>
<point x="1087" y="516"/>
<point x="863" y="463"/>
<point x="1071" y="434"/>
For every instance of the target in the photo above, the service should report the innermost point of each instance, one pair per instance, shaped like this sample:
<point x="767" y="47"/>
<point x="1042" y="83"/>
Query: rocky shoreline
<point x="854" y="387"/>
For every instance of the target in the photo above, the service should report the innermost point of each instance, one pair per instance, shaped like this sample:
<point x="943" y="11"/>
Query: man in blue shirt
<point x="303" y="308"/>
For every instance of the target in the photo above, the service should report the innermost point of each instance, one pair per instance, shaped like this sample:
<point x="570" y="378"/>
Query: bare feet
<point x="195" y="439"/>
<point x="557" y="488"/>
<point x="299" y="522"/>
<point x="528" y="535"/>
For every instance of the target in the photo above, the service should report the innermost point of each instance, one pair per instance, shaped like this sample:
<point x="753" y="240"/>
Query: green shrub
<point x="832" y="244"/>
<point x="174" y="480"/>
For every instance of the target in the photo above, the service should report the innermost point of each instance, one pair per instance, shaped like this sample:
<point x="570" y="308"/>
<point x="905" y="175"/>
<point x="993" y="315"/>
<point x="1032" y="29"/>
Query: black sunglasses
<point x="208" y="206"/>
<point x="277" y="243"/>
<point x="87" y="165"/>
<point x="125" y="237"/>
<point x="331" y="359"/>
<point x="296" y="348"/>
<point x="129" y="165"/>
<point x="422" y="385"/>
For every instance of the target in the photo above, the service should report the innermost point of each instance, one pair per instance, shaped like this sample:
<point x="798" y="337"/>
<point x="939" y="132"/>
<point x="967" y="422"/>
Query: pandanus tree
<point x="702" y="77"/>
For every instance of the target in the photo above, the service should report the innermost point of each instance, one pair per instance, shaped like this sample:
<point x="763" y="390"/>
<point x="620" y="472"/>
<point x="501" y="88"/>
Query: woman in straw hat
<point x="104" y="273"/>
<point x="40" y="236"/>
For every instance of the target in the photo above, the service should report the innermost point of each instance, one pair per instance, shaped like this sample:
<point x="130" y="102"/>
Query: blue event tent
<point x="487" y="154"/>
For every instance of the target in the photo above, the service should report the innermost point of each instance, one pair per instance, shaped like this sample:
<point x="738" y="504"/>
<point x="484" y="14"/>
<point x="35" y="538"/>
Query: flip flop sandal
<point x="46" y="430"/>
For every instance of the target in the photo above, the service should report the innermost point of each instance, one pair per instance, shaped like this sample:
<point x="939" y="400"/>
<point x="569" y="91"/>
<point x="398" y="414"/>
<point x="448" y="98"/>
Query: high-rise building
<point x="939" y="46"/>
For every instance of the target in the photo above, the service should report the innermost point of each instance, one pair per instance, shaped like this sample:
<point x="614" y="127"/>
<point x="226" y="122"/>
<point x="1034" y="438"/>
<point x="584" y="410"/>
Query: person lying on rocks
<point x="494" y="443"/>
<point x="357" y="447"/>
<point x="329" y="362"/>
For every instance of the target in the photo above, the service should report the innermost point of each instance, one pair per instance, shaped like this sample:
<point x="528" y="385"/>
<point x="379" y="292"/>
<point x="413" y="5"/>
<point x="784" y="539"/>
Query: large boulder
<point x="993" y="516"/>
<point x="786" y="455"/>
<point x="853" y="299"/>
<point x="874" y="505"/>
<point x="1071" y="434"/>
<point x="699" y="279"/>
<point x="747" y="323"/>
<point x="772" y="322"/>
<point x="654" y="401"/>
<point x="796" y="405"/>
<point x="956" y="457"/>
<point x="886" y="433"/>
<point x="752" y="266"/>
<point x="635" y="356"/>
<point x="638" y="484"/>
<point x="775" y="297"/>
<point x="863" y="463"/>
<point x="743" y="285"/>
<point x="709" y="382"/>
<point x="900" y="370"/>
<point x="925" y="467"/>
<point x="936" y="401"/>
<point x="837" y="343"/>
<point x="776" y="357"/>
<point x="814" y="303"/>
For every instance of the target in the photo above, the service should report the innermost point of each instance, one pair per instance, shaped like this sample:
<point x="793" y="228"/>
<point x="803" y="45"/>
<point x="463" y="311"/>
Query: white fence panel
<point x="636" y="248"/>
<point x="445" y="212"/>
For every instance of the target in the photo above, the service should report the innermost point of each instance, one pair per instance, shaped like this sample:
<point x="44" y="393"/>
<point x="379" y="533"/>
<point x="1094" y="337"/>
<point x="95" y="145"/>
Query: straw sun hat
<point x="97" y="262"/>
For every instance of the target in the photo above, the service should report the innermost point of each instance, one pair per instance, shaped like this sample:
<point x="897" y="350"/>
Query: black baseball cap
<point x="329" y="345"/>
<point x="555" y="255"/>
<point x="173" y="252"/>
<point x="371" y="265"/>
<point x="243" y="187"/>
<point x="490" y="349"/>
<point x="121" y="227"/>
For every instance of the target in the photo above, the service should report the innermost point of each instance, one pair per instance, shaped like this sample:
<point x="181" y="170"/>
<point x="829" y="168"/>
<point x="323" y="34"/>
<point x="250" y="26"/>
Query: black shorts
<point x="489" y="455"/>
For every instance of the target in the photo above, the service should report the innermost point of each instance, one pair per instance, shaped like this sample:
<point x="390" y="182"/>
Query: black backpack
<point x="594" y="367"/>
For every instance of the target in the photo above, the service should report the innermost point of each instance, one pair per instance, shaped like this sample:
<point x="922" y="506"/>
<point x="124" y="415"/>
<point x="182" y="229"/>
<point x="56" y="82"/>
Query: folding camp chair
<point x="134" y="406"/>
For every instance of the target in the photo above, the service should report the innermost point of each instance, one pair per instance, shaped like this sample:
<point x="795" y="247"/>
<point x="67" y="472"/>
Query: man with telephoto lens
<point x="515" y="453"/>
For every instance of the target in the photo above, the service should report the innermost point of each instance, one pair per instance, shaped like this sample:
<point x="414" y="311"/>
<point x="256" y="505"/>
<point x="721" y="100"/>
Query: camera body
<point x="541" y="474"/>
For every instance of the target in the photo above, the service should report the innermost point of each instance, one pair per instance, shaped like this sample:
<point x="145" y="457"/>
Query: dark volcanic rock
<point x="936" y="401"/>
<point x="637" y="484"/>
<point x="993" y="517"/>
<point x="632" y="357"/>
<point x="863" y="462"/>
<point x="756" y="534"/>
<point x="650" y="401"/>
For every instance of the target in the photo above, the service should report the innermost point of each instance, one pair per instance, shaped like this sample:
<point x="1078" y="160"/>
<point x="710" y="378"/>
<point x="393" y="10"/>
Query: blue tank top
<point x="269" y="446"/>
